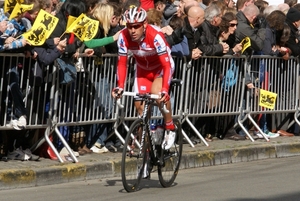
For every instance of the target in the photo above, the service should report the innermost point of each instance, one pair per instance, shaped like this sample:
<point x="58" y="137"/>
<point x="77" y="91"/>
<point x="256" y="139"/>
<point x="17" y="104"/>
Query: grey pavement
<point x="18" y="174"/>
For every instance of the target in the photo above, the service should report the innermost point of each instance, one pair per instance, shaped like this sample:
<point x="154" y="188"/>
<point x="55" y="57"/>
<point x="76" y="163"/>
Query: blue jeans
<point x="105" y="102"/>
<point x="16" y="94"/>
<point x="65" y="130"/>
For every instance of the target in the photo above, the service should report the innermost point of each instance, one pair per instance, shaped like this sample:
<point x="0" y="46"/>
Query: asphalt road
<point x="265" y="180"/>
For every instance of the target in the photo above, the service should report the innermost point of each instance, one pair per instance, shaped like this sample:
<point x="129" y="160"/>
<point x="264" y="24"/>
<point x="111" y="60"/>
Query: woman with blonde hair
<point x="103" y="13"/>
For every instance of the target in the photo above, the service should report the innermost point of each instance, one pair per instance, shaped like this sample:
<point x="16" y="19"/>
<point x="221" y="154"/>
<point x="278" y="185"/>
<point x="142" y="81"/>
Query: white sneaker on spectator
<point x="169" y="139"/>
<point x="31" y="155"/>
<point x="97" y="150"/>
<point x="14" y="123"/>
<point x="268" y="134"/>
<point x="18" y="124"/>
<point x="272" y="135"/>
<point x="64" y="151"/>
<point x="18" y="154"/>
<point x="22" y="122"/>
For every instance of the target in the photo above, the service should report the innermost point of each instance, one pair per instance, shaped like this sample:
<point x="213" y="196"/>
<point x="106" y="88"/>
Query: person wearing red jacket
<point x="155" y="65"/>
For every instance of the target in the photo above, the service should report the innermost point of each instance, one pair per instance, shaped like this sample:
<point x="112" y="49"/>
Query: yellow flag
<point x="71" y="19"/>
<point x="91" y="30"/>
<point x="42" y="28"/>
<point x="84" y="27"/>
<point x="267" y="99"/>
<point x="246" y="42"/>
<point x="20" y="9"/>
<point x="10" y="4"/>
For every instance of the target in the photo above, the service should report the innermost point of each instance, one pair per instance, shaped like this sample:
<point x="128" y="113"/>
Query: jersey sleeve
<point x="164" y="58"/>
<point x="122" y="60"/>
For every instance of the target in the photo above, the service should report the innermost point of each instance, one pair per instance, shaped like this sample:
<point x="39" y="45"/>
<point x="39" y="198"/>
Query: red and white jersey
<point x="151" y="53"/>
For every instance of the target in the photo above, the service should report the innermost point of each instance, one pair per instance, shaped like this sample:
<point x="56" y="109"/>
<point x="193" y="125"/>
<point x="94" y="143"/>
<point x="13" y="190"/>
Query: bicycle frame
<point x="146" y="117"/>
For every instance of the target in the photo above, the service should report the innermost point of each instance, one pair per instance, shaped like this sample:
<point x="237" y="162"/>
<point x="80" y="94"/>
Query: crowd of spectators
<point x="192" y="29"/>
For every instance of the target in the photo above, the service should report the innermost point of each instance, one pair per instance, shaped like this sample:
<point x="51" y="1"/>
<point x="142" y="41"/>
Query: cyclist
<point x="155" y="65"/>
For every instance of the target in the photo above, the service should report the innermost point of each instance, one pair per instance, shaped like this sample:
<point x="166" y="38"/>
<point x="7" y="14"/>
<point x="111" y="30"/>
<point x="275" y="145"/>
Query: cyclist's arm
<point x="122" y="61"/>
<point x="164" y="58"/>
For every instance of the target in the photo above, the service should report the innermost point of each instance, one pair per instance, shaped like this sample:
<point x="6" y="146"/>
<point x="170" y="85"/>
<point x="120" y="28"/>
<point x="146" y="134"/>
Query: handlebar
<point x="143" y="96"/>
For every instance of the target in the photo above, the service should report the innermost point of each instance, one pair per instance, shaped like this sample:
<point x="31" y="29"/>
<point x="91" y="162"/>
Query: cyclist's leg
<point x="170" y="134"/>
<point x="155" y="89"/>
<point x="142" y="84"/>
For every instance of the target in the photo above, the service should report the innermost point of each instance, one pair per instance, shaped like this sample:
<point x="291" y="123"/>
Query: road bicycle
<point x="141" y="153"/>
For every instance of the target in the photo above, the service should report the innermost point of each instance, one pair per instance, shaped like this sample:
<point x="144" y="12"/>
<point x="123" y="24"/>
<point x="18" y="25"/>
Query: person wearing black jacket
<point x="70" y="8"/>
<point x="193" y="20"/>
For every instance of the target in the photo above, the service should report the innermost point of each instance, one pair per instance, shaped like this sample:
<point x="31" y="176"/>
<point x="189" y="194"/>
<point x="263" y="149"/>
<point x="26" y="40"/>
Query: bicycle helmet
<point x="134" y="15"/>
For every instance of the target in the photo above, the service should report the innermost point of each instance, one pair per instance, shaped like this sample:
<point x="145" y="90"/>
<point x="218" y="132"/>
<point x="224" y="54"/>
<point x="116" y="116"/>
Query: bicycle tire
<point x="168" y="171"/>
<point x="133" y="160"/>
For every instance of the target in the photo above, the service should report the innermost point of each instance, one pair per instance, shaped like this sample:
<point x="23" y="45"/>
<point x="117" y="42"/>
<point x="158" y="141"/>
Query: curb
<point x="70" y="172"/>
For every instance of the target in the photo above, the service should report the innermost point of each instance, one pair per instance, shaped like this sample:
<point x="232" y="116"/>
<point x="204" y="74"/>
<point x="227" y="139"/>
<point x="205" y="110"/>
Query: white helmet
<point x="134" y="15"/>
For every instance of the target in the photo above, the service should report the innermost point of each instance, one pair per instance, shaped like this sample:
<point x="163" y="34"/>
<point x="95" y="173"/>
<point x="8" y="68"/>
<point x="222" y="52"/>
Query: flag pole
<point x="62" y="35"/>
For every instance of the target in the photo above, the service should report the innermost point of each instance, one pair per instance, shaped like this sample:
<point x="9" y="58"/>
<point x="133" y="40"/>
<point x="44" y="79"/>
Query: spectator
<point x="160" y="6"/>
<point x="108" y="15"/>
<point x="169" y="10"/>
<point x="221" y="5"/>
<point x="232" y="10"/>
<point x="179" y="49"/>
<point x="229" y="3"/>
<point x="242" y="4"/>
<point x="210" y="45"/>
<point x="69" y="8"/>
<point x="227" y="28"/>
<point x="11" y="41"/>
<point x="185" y="4"/>
<point x="293" y="20"/>
<point x="245" y="28"/>
<point x="274" y="26"/>
<point x="268" y="10"/>
<point x="207" y="2"/>
<point x="193" y="21"/>
<point x="293" y="48"/>
<point x="283" y="7"/>
<point x="291" y="3"/>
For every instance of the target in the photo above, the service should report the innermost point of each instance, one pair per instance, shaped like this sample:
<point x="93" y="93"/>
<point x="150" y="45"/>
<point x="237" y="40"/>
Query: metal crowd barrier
<point x="212" y="86"/>
<point x="20" y="78"/>
<point x="215" y="87"/>
<point x="280" y="77"/>
<point x="28" y="88"/>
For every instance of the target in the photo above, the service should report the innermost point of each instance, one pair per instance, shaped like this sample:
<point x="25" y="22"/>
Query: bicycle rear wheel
<point x="168" y="171"/>
<point x="133" y="157"/>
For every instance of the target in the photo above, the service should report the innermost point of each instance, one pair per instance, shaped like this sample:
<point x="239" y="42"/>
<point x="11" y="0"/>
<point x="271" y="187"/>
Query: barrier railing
<point x="212" y="86"/>
<point x="278" y="76"/>
<point x="215" y="87"/>
<point x="22" y="89"/>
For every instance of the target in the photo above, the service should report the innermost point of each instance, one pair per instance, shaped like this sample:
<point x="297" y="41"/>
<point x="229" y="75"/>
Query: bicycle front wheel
<point x="168" y="171"/>
<point x="133" y="157"/>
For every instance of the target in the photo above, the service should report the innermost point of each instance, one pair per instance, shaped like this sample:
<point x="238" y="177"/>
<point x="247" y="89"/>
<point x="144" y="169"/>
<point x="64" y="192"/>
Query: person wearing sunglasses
<point x="227" y="29"/>
<point x="154" y="64"/>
